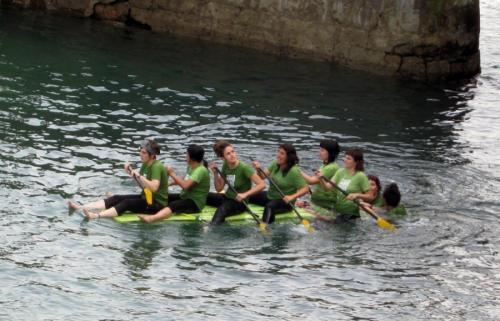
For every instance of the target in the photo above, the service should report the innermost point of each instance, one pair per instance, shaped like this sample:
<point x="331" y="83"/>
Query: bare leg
<point x="317" y="215"/>
<point x="110" y="212"/>
<point x="163" y="214"/>
<point x="74" y="206"/>
<point x="90" y="215"/>
<point x="97" y="205"/>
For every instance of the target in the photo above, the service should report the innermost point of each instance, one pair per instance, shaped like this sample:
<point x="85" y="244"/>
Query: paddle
<point x="147" y="192"/>
<point x="380" y="221"/>
<point x="304" y="222"/>
<point x="262" y="225"/>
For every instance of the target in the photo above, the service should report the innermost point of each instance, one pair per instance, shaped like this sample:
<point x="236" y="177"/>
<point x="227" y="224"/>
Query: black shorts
<point x="132" y="203"/>
<point x="225" y="207"/>
<point x="271" y="206"/>
<point x="178" y="205"/>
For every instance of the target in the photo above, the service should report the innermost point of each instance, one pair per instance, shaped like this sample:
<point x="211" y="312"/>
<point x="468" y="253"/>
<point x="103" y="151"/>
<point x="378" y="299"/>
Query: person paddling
<point x="151" y="176"/>
<point x="321" y="197"/>
<point x="285" y="173"/>
<point x="374" y="195"/>
<point x="195" y="187"/>
<point x="391" y="202"/>
<point x="352" y="179"/>
<point x="237" y="173"/>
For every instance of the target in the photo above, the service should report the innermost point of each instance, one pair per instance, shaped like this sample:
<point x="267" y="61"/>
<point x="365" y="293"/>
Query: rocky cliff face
<point x="423" y="39"/>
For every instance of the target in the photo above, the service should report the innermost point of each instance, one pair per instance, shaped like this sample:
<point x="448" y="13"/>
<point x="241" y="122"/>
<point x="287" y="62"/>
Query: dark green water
<point x="76" y="98"/>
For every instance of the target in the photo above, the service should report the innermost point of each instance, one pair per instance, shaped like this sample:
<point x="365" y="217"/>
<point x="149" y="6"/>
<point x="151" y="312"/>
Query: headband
<point x="147" y="146"/>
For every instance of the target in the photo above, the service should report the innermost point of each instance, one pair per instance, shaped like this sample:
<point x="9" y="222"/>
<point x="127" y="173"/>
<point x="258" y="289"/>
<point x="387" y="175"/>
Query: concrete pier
<point x="428" y="40"/>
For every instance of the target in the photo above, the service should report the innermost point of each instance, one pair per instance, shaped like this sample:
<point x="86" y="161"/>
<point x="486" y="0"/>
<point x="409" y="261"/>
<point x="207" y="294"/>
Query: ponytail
<point x="220" y="146"/>
<point x="357" y="156"/>
<point x="291" y="157"/>
<point x="332" y="147"/>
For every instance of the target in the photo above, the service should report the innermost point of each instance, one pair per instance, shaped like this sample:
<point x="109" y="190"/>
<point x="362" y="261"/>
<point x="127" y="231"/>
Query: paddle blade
<point x="307" y="225"/>
<point x="149" y="196"/>
<point x="263" y="227"/>
<point x="385" y="225"/>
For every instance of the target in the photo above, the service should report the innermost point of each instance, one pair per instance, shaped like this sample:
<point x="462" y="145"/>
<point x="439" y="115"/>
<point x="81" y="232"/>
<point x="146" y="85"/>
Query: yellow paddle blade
<point x="262" y="226"/>
<point x="149" y="196"/>
<point x="385" y="225"/>
<point x="307" y="225"/>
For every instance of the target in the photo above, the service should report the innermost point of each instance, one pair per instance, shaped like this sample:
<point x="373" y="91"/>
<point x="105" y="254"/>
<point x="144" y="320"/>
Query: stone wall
<point x="422" y="39"/>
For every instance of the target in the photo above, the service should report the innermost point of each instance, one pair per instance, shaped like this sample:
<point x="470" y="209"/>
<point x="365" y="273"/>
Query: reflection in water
<point x="278" y="242"/>
<point x="139" y="256"/>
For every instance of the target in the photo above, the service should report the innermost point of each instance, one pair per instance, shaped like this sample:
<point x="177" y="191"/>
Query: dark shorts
<point x="271" y="206"/>
<point x="131" y="203"/>
<point x="178" y="205"/>
<point x="225" y="207"/>
<point x="343" y="218"/>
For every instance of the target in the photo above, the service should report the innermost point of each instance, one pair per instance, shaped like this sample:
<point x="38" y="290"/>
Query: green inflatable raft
<point x="208" y="212"/>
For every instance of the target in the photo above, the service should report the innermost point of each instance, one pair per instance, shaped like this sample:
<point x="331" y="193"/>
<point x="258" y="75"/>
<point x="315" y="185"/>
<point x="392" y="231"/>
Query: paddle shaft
<point x="260" y="170"/>
<point x="366" y="209"/>
<point x="231" y="187"/>
<point x="135" y="178"/>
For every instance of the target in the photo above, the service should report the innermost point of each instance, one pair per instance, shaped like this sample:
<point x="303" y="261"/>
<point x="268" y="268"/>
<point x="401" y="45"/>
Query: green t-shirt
<point x="399" y="210"/>
<point x="157" y="171"/>
<point x="321" y="196"/>
<point x="198" y="193"/>
<point x="288" y="184"/>
<point x="239" y="177"/>
<point x="357" y="183"/>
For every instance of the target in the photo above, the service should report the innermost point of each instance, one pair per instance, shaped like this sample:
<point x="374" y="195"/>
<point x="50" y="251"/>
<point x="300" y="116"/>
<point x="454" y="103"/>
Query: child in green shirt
<point x="321" y="196"/>
<point x="286" y="175"/>
<point x="352" y="180"/>
<point x="237" y="173"/>
<point x="195" y="187"/>
<point x="152" y="178"/>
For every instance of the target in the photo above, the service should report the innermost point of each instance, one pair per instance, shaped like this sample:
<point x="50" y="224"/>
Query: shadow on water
<point x="139" y="257"/>
<point x="185" y="246"/>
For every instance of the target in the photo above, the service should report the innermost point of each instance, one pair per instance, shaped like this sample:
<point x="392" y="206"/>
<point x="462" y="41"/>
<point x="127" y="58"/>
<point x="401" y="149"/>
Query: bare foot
<point x="146" y="218"/>
<point x="73" y="206"/>
<point x="90" y="215"/>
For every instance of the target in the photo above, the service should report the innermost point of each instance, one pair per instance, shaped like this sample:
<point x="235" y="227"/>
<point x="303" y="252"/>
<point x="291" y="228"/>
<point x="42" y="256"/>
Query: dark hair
<point x="151" y="146"/>
<point x="391" y="195"/>
<point x="291" y="157"/>
<point x="376" y="180"/>
<point x="357" y="155"/>
<point x="332" y="147"/>
<point x="196" y="153"/>
<point x="220" y="146"/>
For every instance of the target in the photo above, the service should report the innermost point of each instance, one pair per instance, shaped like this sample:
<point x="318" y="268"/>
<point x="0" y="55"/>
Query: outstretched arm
<point x="183" y="183"/>
<point x="259" y="186"/>
<point x="311" y="180"/>
<point x="302" y="191"/>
